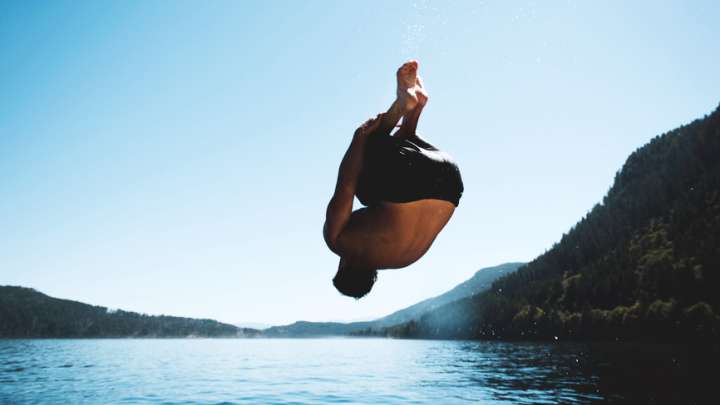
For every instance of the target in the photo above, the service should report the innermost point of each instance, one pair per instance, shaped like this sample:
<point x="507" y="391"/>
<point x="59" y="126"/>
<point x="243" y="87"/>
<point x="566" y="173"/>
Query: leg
<point x="407" y="98"/>
<point x="409" y="124"/>
<point x="390" y="118"/>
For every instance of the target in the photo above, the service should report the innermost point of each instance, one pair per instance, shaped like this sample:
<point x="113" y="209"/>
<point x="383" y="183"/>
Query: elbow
<point x="331" y="240"/>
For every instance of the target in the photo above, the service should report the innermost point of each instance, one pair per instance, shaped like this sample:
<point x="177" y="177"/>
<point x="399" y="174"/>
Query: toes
<point x="409" y="66"/>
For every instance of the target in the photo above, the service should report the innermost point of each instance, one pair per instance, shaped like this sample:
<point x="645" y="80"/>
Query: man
<point x="409" y="187"/>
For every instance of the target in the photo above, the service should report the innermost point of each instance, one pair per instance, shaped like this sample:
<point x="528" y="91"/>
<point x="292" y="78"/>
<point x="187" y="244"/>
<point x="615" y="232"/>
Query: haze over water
<point x="324" y="371"/>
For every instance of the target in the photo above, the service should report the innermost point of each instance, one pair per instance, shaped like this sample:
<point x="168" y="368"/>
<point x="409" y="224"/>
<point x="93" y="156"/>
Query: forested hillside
<point x="26" y="313"/>
<point x="642" y="264"/>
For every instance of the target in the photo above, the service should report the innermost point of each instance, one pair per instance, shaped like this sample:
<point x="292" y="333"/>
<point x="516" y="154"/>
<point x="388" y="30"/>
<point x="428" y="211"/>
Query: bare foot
<point x="421" y="93"/>
<point x="407" y="85"/>
<point x="410" y="118"/>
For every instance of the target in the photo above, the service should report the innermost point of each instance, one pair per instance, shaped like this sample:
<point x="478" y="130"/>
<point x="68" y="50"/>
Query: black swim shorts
<point x="404" y="170"/>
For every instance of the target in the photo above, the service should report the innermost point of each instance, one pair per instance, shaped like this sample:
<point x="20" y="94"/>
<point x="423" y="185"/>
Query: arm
<point x="340" y="206"/>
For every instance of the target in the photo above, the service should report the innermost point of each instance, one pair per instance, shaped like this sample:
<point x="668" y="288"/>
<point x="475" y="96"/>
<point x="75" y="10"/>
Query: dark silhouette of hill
<point x="644" y="264"/>
<point x="481" y="281"/>
<point x="302" y="329"/>
<point x="26" y="313"/>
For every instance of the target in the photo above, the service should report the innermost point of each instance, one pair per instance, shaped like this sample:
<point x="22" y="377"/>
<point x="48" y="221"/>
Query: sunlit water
<point x="315" y="371"/>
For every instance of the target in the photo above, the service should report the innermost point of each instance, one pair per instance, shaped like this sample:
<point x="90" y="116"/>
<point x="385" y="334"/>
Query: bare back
<point x="393" y="235"/>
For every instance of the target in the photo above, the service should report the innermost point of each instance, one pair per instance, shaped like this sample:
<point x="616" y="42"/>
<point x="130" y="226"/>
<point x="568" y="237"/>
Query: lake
<point x="331" y="371"/>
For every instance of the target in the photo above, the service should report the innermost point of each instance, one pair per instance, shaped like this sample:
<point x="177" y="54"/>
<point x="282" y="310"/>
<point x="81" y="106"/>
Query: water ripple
<point x="311" y="371"/>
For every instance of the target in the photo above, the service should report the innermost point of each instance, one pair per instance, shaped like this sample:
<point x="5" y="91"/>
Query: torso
<point x="393" y="235"/>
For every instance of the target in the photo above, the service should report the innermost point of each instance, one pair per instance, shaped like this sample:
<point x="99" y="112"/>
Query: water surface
<point x="325" y="371"/>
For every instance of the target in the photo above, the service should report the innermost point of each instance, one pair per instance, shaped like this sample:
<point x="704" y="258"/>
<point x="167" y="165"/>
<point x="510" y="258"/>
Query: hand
<point x="369" y="126"/>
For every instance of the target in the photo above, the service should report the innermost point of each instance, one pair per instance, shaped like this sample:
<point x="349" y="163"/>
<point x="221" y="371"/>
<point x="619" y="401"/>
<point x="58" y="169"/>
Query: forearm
<point x="340" y="206"/>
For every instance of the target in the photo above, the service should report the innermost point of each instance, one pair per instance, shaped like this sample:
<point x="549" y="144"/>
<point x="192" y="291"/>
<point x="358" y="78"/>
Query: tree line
<point x="26" y="313"/>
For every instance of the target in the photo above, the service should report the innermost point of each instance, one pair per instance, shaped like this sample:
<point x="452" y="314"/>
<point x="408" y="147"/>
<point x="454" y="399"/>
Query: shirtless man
<point x="409" y="187"/>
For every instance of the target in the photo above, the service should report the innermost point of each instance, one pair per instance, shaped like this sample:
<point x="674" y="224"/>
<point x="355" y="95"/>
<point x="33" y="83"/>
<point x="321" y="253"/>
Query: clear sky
<point x="177" y="157"/>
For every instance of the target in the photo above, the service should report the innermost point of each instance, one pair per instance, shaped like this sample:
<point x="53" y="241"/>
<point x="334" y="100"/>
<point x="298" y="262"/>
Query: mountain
<point x="479" y="282"/>
<point x="643" y="264"/>
<point x="303" y="329"/>
<point x="26" y="313"/>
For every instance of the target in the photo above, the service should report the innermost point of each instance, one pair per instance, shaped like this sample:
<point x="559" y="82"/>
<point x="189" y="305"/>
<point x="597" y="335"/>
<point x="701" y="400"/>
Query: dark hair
<point x="354" y="282"/>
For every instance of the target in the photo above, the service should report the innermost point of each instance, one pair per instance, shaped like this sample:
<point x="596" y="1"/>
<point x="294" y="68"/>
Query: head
<point x="353" y="280"/>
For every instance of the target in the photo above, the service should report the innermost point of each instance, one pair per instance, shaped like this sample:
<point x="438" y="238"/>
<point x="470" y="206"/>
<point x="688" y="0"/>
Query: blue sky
<point x="177" y="157"/>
